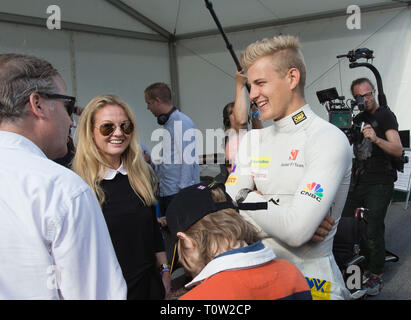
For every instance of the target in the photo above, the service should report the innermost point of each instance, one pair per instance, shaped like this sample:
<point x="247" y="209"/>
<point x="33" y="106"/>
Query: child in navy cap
<point x="224" y="253"/>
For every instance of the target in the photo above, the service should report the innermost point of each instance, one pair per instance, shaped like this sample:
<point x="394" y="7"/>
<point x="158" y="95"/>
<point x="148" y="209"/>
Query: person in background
<point x="223" y="252"/>
<point x="67" y="159"/>
<point x="110" y="159"/>
<point x="235" y="120"/>
<point x="373" y="177"/>
<point x="235" y="114"/>
<point x="52" y="230"/>
<point x="175" y="171"/>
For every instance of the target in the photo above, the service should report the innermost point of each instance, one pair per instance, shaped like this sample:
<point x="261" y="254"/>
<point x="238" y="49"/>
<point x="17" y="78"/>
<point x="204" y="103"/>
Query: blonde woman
<point x="109" y="158"/>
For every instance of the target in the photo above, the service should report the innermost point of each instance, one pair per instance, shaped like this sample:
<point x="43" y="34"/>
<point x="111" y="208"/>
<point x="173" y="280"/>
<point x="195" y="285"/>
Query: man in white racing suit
<point x="300" y="166"/>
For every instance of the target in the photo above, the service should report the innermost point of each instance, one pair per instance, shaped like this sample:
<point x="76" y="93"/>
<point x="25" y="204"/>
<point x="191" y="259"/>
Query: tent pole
<point x="172" y="54"/>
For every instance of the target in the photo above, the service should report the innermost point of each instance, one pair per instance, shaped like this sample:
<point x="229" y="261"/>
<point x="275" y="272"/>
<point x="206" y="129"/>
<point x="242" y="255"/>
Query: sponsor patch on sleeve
<point x="313" y="190"/>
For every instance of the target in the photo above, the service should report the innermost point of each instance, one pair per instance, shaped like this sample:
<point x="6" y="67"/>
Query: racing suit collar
<point x="294" y="120"/>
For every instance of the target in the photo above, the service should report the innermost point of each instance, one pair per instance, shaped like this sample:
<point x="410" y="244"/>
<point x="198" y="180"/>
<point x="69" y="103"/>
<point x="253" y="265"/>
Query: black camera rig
<point x="364" y="53"/>
<point x="341" y="114"/>
<point x="338" y="112"/>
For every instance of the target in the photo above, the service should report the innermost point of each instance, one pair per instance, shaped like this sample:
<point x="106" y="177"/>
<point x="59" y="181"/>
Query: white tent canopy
<point x="122" y="46"/>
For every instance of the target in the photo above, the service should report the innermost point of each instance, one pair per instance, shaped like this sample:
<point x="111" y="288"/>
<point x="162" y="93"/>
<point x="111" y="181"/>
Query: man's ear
<point x="294" y="77"/>
<point x="35" y="105"/>
<point x="187" y="241"/>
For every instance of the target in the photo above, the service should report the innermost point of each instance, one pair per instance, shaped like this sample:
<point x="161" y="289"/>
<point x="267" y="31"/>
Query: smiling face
<point x="271" y="91"/>
<point x="112" y="146"/>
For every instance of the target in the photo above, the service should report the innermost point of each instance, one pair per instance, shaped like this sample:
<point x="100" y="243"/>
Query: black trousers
<point x="146" y="287"/>
<point x="164" y="203"/>
<point x="376" y="198"/>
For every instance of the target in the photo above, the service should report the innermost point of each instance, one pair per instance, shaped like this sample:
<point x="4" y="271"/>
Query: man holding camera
<point x="373" y="176"/>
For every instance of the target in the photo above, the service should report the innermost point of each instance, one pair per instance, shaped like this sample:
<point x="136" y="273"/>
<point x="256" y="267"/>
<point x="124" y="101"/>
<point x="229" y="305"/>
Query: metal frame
<point x="79" y="27"/>
<point x="140" y="18"/>
<point x="162" y="35"/>
<point x="285" y="21"/>
<point x="167" y="36"/>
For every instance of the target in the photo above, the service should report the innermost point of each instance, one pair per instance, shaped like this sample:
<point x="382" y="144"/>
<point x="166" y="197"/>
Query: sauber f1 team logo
<point x="293" y="155"/>
<point x="313" y="190"/>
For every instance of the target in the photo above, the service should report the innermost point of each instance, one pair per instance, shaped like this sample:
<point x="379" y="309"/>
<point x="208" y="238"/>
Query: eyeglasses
<point x="69" y="103"/>
<point x="367" y="95"/>
<point x="108" y="128"/>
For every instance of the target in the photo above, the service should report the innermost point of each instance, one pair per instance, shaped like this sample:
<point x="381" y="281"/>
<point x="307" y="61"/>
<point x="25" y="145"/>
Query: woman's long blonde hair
<point x="89" y="164"/>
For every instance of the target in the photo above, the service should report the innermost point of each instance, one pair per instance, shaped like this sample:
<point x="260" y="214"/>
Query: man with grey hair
<point x="54" y="243"/>
<point x="299" y="167"/>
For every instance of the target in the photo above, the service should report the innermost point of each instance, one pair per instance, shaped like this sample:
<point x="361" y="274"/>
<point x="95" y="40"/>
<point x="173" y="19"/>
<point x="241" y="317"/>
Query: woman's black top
<point x="134" y="231"/>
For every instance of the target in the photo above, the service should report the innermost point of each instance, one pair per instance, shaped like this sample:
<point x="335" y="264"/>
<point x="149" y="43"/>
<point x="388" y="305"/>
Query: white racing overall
<point x="302" y="167"/>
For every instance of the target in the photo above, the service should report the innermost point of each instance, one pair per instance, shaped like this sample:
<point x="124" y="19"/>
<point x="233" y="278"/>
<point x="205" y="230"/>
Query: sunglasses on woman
<point x="108" y="128"/>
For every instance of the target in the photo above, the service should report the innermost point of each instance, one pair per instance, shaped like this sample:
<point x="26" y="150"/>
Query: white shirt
<point x="303" y="163"/>
<point x="54" y="242"/>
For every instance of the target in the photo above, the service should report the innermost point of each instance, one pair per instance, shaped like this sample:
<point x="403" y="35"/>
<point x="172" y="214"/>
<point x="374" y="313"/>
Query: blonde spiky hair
<point x="285" y="51"/>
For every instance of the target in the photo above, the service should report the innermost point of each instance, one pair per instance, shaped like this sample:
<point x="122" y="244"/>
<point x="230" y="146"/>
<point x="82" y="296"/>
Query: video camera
<point x="338" y="112"/>
<point x="341" y="113"/>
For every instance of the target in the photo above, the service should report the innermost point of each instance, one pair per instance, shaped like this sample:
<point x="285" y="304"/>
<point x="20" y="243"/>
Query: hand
<point x="146" y="157"/>
<point x="162" y="221"/>
<point x="240" y="79"/>
<point x="166" y="278"/>
<point x="369" y="133"/>
<point x="323" y="229"/>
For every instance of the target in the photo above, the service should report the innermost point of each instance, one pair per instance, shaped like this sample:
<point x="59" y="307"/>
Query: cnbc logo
<point x="314" y="191"/>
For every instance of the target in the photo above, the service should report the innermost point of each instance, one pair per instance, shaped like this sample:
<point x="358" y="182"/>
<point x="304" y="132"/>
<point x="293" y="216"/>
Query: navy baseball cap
<point x="192" y="204"/>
